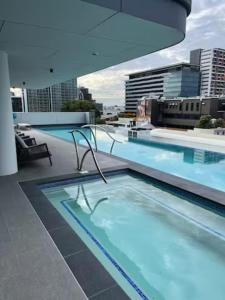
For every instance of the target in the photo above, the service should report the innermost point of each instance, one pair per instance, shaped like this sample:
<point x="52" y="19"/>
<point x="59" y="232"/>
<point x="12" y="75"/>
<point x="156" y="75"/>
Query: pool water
<point x="155" y="243"/>
<point x="204" y="167"/>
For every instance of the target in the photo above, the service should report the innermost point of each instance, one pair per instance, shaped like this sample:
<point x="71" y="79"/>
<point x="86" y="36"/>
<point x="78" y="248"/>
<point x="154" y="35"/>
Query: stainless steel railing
<point x="91" y="126"/>
<point x="82" y="190"/>
<point x="90" y="149"/>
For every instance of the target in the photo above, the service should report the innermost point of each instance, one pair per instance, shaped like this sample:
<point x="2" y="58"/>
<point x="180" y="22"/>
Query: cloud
<point x="206" y="16"/>
<point x="172" y="54"/>
<point x="205" y="29"/>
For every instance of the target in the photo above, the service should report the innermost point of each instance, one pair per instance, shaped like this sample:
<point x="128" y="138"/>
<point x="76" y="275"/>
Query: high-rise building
<point x="51" y="98"/>
<point x="180" y="80"/>
<point x="62" y="92"/>
<point x="17" y="104"/>
<point x="83" y="94"/>
<point x="38" y="100"/>
<point x="212" y="66"/>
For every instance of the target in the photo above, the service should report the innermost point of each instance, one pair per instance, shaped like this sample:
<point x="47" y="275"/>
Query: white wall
<point x="202" y="131"/>
<point x="52" y="118"/>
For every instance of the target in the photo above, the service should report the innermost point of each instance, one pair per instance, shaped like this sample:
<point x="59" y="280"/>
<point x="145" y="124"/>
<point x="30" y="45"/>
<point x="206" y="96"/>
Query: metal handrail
<point x="94" y="137"/>
<point x="92" y="210"/>
<point x="90" y="126"/>
<point x="90" y="149"/>
<point x="76" y="150"/>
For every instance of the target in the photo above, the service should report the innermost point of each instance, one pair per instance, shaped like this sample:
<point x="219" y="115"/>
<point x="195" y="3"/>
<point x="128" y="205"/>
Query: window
<point x="180" y="106"/>
<point x="187" y="106"/>
<point x="192" y="106"/>
<point x="197" y="106"/>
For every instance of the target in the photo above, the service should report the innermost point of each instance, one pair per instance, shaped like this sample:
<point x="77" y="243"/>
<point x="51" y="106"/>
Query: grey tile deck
<point x="91" y="281"/>
<point x="66" y="244"/>
<point x="31" y="266"/>
<point x="110" y="294"/>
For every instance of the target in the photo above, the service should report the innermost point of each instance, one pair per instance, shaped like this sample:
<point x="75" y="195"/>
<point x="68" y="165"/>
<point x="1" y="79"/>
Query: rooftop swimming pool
<point x="204" y="167"/>
<point x="154" y="240"/>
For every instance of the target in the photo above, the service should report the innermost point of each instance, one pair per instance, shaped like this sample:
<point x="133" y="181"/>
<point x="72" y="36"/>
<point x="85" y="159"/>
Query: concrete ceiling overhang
<point x="75" y="37"/>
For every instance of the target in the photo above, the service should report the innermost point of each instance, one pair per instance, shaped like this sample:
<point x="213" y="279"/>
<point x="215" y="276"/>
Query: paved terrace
<point x="31" y="267"/>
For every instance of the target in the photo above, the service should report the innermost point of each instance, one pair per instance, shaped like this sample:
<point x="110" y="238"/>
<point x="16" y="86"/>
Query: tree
<point x="78" y="105"/>
<point x="81" y="105"/>
<point x="205" y="122"/>
<point x="219" y="123"/>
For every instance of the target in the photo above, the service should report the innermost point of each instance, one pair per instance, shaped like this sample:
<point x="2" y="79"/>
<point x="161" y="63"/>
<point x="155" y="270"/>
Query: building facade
<point x="17" y="104"/>
<point x="184" y="112"/>
<point x="62" y="92"/>
<point x="38" y="100"/>
<point x="83" y="94"/>
<point x="212" y="66"/>
<point x="50" y="98"/>
<point x="180" y="80"/>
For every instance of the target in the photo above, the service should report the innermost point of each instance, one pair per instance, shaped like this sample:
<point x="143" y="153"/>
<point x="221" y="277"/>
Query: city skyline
<point x="205" y="27"/>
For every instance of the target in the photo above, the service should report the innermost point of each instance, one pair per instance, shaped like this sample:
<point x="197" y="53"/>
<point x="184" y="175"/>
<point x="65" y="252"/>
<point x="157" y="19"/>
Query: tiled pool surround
<point x="184" y="184"/>
<point x="60" y="230"/>
<point x="196" y="165"/>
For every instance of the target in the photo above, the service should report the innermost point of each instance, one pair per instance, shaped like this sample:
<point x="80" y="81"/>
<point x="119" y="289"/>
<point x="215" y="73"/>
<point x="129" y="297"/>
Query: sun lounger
<point x="28" y="150"/>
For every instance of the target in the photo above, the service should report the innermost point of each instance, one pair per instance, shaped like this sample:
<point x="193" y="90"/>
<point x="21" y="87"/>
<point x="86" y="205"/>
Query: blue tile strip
<point x="79" y="178"/>
<point x="63" y="182"/>
<point x="99" y="245"/>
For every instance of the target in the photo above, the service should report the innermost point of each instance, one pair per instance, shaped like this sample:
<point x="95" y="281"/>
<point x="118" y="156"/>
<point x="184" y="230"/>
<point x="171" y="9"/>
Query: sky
<point x="205" y="29"/>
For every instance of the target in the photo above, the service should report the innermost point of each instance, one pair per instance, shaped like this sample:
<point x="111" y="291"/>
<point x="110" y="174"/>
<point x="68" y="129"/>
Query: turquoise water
<point x="168" y="247"/>
<point x="204" y="167"/>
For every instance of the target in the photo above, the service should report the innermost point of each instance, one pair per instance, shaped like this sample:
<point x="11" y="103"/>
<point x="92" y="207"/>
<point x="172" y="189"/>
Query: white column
<point x="24" y="96"/>
<point x="8" y="160"/>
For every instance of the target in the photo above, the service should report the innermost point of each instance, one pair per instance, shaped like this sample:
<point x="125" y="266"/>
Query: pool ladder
<point x="90" y="149"/>
<point x="82" y="190"/>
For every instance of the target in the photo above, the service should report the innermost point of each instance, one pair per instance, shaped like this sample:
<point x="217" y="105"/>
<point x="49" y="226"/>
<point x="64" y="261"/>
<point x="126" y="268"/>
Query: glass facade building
<point x="51" y="98"/>
<point x="183" y="83"/>
<point x="180" y="80"/>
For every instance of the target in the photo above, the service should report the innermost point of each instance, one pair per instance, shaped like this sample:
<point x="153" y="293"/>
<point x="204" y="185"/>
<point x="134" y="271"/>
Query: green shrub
<point x="205" y="122"/>
<point x="78" y="105"/>
<point x="219" y="123"/>
<point x="82" y="106"/>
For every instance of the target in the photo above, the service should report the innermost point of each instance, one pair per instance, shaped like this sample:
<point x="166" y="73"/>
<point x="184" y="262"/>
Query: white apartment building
<point x="212" y="66"/>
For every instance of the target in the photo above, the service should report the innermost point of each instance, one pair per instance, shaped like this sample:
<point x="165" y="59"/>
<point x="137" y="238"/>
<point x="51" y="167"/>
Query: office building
<point x="184" y="112"/>
<point x="180" y="80"/>
<point x="62" y="92"/>
<point x="51" y="98"/>
<point x="17" y="104"/>
<point x="38" y="100"/>
<point x="212" y="66"/>
<point x="99" y="107"/>
<point x="83" y="94"/>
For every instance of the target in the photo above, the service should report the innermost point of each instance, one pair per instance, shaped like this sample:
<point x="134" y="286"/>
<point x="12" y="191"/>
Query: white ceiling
<point x="64" y="34"/>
